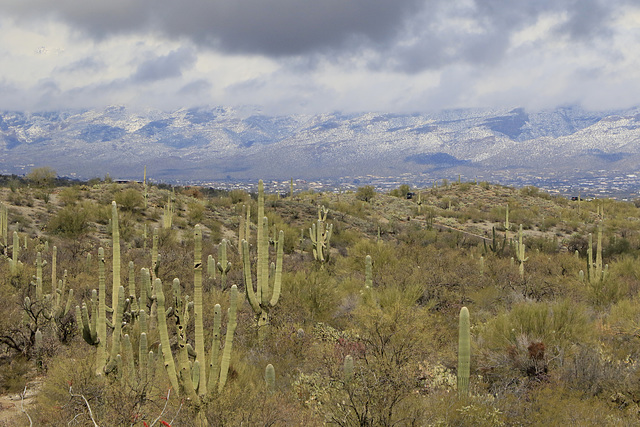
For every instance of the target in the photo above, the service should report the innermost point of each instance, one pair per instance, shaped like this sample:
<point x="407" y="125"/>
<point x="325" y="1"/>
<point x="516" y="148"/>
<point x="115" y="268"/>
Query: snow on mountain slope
<point x="218" y="143"/>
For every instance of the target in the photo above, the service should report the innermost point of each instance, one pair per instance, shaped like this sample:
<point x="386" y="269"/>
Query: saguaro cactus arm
<point x="277" y="281"/>
<point x="169" y="364"/>
<point x="248" y="281"/>
<point x="232" y="322"/>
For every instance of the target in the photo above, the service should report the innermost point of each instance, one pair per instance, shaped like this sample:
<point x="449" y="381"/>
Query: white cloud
<point x="531" y="53"/>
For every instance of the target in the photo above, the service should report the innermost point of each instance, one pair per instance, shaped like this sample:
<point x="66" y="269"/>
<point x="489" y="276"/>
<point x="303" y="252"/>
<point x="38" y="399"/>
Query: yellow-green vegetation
<point x="528" y="303"/>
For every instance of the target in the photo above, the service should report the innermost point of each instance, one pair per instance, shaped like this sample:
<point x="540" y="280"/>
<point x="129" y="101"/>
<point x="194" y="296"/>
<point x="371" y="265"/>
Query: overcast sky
<point x="315" y="56"/>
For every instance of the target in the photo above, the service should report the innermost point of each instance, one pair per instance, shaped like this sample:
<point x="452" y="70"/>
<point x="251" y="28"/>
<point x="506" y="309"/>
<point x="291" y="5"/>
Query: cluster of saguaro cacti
<point x="55" y="305"/>
<point x="169" y="209"/>
<point x="320" y="234"/>
<point x="195" y="380"/>
<point x="264" y="296"/>
<point x="495" y="246"/>
<point x="464" y="353"/>
<point x="595" y="271"/>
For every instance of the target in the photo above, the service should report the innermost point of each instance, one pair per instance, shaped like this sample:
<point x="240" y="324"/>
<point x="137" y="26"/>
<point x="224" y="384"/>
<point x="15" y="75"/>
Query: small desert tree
<point x="42" y="177"/>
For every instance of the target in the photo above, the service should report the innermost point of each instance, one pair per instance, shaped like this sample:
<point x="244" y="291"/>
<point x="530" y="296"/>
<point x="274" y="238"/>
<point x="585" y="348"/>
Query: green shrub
<point x="366" y="193"/>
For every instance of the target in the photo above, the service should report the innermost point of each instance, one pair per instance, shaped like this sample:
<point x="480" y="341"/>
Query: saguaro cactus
<point x="154" y="254"/>
<point x="14" y="254"/>
<point x="347" y="368"/>
<point x="115" y="232"/>
<point x="270" y="378"/>
<point x="263" y="298"/>
<point x="368" y="272"/>
<point x="198" y="311"/>
<point x="211" y="267"/>
<point x="464" y="353"/>
<point x="320" y="234"/>
<point x="167" y="217"/>
<point x="595" y="270"/>
<point x="4" y="225"/>
<point x="223" y="265"/>
<point x="185" y="377"/>
<point x="520" y="252"/>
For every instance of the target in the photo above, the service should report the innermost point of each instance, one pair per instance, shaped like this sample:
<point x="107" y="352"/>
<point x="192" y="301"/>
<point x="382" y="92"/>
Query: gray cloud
<point x="88" y="64"/>
<point x="164" y="67"/>
<point x="587" y="19"/>
<point x="406" y="35"/>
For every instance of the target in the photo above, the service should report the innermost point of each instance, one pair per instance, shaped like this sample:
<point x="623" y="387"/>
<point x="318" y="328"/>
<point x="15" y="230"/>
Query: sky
<point x="317" y="56"/>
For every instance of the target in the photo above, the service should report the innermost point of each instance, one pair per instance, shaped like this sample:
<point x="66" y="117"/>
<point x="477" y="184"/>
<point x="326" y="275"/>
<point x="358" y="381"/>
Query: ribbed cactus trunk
<point x="154" y="254"/>
<point x="520" y="252"/>
<point x="368" y="272"/>
<point x="464" y="353"/>
<point x="39" y="292"/>
<point x="117" y="334"/>
<point x="599" y="269"/>
<point x="169" y="364"/>
<point x="132" y="290"/>
<point x="101" y="326"/>
<point x="262" y="268"/>
<point x="232" y="322"/>
<point x="15" y="252"/>
<point x="198" y="310"/>
<point x="4" y="225"/>
<point x="54" y="273"/>
<point x="223" y="265"/>
<point x="115" y="231"/>
<point x="270" y="378"/>
<point x="347" y="369"/>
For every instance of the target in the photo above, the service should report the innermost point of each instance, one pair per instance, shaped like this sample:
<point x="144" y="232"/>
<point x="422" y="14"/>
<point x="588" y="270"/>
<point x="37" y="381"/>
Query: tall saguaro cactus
<point x="320" y="234"/>
<point x="464" y="353"/>
<point x="520" y="250"/>
<point x="14" y="254"/>
<point x="263" y="297"/>
<point x="198" y="311"/>
<point x="115" y="231"/>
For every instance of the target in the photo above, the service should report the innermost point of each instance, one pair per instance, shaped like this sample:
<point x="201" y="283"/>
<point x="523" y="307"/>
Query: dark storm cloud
<point x="405" y="35"/>
<point x="164" y="67"/>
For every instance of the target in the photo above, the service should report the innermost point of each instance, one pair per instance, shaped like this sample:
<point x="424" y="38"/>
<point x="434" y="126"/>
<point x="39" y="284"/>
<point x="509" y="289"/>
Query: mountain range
<point x="210" y="144"/>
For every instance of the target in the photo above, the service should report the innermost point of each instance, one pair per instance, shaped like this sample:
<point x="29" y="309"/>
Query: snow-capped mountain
<point x="208" y="144"/>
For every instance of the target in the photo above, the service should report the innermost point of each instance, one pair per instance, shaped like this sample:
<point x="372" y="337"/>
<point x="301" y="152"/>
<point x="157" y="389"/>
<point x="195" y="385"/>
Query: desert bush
<point x="366" y="193"/>
<point x="70" y="222"/>
<point x="524" y="344"/>
<point x="129" y="200"/>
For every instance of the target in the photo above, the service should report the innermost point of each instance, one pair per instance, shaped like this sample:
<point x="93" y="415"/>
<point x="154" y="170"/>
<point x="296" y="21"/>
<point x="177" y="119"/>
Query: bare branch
<point x="24" y="392"/>
<point x="86" y="403"/>
<point x="163" y="409"/>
